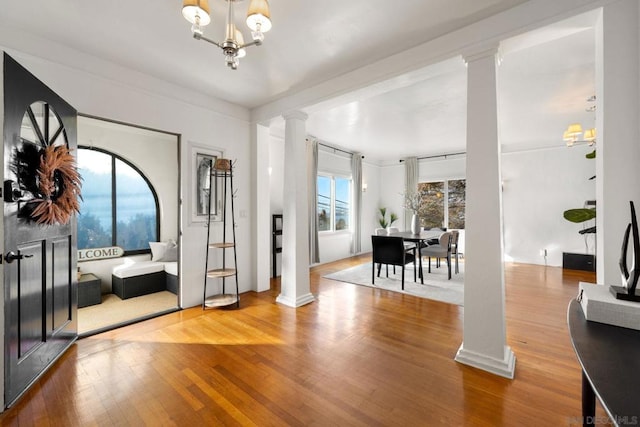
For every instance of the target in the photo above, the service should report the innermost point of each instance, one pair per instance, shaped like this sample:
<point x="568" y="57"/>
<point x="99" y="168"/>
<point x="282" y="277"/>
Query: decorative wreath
<point x="58" y="187"/>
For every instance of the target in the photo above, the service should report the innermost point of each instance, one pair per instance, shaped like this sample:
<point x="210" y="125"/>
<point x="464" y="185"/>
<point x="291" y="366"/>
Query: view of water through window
<point x="135" y="208"/>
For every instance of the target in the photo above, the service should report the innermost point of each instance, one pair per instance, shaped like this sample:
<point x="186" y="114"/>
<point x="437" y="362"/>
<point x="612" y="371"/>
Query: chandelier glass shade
<point x="196" y="11"/>
<point x="258" y="20"/>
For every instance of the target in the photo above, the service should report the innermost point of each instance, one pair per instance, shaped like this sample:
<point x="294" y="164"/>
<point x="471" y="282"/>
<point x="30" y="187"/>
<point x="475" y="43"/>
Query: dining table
<point x="420" y="238"/>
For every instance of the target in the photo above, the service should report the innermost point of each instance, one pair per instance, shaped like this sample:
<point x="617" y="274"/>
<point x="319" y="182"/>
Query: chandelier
<point x="573" y="134"/>
<point x="233" y="46"/>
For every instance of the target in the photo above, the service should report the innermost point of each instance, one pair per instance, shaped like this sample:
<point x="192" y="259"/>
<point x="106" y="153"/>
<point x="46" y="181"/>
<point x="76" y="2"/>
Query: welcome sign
<point x="100" y="253"/>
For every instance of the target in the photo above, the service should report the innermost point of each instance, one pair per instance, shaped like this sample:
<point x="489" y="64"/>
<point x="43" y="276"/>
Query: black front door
<point x="39" y="233"/>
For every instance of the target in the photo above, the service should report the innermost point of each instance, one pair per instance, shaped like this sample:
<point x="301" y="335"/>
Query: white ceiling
<point x="542" y="86"/>
<point x="544" y="78"/>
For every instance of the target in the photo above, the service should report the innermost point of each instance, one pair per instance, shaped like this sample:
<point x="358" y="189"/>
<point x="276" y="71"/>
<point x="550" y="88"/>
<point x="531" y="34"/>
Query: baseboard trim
<point x="505" y="367"/>
<point x="295" y="303"/>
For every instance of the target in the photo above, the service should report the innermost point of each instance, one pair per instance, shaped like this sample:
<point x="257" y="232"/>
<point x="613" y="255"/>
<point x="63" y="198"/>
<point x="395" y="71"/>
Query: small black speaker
<point x="573" y="261"/>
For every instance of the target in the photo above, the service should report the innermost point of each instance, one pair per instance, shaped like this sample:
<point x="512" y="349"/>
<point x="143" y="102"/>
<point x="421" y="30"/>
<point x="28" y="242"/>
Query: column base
<point x="505" y="367"/>
<point x="297" y="302"/>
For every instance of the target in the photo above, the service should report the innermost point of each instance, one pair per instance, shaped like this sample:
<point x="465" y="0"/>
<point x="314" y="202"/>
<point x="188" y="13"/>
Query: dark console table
<point x="610" y="360"/>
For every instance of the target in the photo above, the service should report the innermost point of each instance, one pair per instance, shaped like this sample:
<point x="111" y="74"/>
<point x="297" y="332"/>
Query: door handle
<point x="12" y="191"/>
<point x="12" y="256"/>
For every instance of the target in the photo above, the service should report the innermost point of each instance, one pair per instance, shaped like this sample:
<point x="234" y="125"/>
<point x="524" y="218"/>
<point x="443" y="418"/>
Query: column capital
<point x="295" y="114"/>
<point x="480" y="51"/>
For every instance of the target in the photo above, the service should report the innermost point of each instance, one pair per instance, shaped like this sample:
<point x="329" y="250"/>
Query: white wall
<point x="370" y="198"/>
<point x="441" y="169"/>
<point x="391" y="189"/>
<point x="276" y="186"/>
<point x="538" y="186"/>
<point x="147" y="102"/>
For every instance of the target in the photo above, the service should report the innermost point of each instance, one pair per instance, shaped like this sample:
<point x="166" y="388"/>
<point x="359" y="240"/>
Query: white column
<point x="262" y="211"/>
<point x="295" y="287"/>
<point x="484" y="338"/>
<point x="617" y="123"/>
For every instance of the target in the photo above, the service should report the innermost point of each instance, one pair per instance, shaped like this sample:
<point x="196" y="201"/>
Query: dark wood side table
<point x="610" y="360"/>
<point x="89" y="292"/>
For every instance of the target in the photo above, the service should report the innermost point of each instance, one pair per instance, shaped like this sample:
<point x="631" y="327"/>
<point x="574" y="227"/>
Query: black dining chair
<point x="391" y="251"/>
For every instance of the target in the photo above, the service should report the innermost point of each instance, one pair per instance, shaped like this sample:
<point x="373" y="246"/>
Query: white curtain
<point x="356" y="177"/>
<point x="410" y="184"/>
<point x="312" y="167"/>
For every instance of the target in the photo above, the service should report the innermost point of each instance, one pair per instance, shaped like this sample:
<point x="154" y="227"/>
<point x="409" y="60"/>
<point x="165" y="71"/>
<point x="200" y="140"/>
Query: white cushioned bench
<point x="171" y="268"/>
<point x="144" y="277"/>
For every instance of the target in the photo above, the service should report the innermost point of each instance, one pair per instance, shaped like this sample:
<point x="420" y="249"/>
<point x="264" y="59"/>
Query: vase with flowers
<point x="412" y="202"/>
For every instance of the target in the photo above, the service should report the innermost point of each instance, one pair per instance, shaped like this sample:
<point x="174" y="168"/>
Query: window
<point x="334" y="202"/>
<point x="119" y="206"/>
<point x="456" y="203"/>
<point x="432" y="209"/>
<point x="443" y="203"/>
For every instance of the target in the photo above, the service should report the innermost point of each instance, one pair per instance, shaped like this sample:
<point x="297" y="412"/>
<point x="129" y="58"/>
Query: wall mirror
<point x="202" y="157"/>
<point x="131" y="184"/>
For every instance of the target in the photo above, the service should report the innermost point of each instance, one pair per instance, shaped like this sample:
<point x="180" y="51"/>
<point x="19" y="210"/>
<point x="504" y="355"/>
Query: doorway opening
<point x="128" y="250"/>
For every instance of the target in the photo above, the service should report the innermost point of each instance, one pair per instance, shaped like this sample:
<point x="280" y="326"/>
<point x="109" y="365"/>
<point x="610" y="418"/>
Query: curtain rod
<point x="337" y="149"/>
<point x="439" y="155"/>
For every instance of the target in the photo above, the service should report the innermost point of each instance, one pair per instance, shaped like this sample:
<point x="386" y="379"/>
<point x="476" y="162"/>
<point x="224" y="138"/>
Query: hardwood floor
<point x="356" y="356"/>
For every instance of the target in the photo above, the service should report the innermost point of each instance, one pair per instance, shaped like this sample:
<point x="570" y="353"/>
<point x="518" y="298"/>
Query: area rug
<point x="436" y="286"/>
<point x="114" y="310"/>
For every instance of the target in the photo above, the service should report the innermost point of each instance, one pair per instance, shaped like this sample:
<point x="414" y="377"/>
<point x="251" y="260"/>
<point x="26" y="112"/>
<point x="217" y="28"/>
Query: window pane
<point x="135" y="209"/>
<point x="54" y="125"/>
<point x="324" y="203"/>
<point x="27" y="132"/>
<point x="432" y="209"/>
<point x="457" y="203"/>
<point x="343" y="196"/>
<point x="94" y="221"/>
<point x="38" y="109"/>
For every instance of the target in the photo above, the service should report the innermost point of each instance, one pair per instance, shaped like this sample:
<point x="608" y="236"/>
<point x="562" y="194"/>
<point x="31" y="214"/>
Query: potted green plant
<point x="382" y="220"/>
